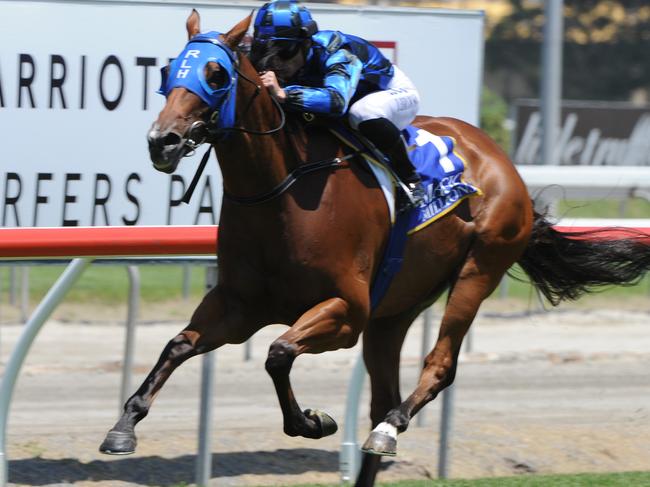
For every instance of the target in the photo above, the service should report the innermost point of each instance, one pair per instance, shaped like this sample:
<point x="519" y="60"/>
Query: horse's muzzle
<point x="165" y="150"/>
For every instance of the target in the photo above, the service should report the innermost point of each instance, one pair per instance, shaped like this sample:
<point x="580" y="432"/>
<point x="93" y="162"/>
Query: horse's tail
<point x="566" y="265"/>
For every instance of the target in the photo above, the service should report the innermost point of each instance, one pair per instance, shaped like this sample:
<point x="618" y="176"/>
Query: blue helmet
<point x="284" y="19"/>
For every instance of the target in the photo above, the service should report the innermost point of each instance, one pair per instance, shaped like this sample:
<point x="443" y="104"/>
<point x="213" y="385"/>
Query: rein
<point x="279" y="189"/>
<point x="291" y="178"/>
<point x="214" y="132"/>
<point x="206" y="130"/>
<point x="276" y="103"/>
<point x="196" y="137"/>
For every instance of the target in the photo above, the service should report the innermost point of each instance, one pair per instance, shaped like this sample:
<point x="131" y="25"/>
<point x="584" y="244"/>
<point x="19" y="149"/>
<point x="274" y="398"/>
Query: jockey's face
<point x="284" y="57"/>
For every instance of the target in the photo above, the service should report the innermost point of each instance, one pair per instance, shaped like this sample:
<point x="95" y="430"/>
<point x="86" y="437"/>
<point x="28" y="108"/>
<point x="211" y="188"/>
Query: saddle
<point x="441" y="171"/>
<point x="405" y="199"/>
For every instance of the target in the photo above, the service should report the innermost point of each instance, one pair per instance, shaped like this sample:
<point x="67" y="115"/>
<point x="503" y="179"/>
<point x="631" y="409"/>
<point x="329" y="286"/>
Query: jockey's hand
<point x="271" y="82"/>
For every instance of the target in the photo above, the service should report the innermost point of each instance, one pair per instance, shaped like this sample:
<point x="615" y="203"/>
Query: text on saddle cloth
<point x="441" y="171"/>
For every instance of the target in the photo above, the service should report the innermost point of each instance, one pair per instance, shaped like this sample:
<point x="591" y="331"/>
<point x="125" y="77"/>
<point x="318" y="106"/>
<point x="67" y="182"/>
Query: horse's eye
<point x="217" y="78"/>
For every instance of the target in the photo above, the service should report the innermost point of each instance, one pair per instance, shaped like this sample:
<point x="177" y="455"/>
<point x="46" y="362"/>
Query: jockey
<point x="331" y="73"/>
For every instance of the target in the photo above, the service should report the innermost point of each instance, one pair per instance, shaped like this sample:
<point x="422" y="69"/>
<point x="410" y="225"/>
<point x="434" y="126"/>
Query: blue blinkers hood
<point x="187" y="71"/>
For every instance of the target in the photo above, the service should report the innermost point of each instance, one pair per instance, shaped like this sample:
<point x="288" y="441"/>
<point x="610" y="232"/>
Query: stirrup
<point x="416" y="193"/>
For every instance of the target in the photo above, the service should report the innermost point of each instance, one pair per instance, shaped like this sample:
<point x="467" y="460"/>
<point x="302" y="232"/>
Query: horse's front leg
<point x="213" y="324"/>
<point x="327" y="326"/>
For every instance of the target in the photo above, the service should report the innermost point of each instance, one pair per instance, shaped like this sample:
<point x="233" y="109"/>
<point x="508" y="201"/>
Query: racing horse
<point x="303" y="228"/>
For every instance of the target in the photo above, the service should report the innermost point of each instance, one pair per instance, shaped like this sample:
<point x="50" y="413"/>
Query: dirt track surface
<point x="565" y="391"/>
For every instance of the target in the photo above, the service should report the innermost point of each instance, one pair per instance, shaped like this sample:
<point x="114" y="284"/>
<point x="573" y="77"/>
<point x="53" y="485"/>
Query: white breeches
<point x="399" y="103"/>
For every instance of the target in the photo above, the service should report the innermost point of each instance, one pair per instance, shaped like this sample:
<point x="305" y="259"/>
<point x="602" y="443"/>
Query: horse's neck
<point x="252" y="164"/>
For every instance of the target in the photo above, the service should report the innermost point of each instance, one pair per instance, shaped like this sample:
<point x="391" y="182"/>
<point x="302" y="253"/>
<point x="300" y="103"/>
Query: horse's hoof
<point x="324" y="421"/>
<point x="118" y="443"/>
<point x="380" y="444"/>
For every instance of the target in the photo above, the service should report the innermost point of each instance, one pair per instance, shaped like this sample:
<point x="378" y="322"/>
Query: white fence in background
<point x="587" y="182"/>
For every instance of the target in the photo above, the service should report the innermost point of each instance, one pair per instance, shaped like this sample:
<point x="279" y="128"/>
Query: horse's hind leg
<point x="329" y="325"/>
<point x="209" y="328"/>
<point x="478" y="277"/>
<point x="382" y="344"/>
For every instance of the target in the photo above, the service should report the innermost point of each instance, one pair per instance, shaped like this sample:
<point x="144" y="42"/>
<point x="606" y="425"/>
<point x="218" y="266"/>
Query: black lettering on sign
<point x="25" y="81"/>
<point x="57" y="83"/>
<point x="40" y="199"/>
<point x="2" y="100"/>
<point x="145" y="62"/>
<point x="11" y="200"/>
<point x="82" y="91"/>
<point x="132" y="177"/>
<point x="69" y="198"/>
<point x="103" y="199"/>
<point x="172" y="200"/>
<point x="209" y="208"/>
<point x="111" y="104"/>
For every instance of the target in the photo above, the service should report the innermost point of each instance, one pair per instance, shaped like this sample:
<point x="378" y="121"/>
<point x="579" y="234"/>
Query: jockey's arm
<point x="342" y="73"/>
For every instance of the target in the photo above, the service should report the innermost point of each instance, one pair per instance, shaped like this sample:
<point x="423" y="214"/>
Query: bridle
<point x="207" y="130"/>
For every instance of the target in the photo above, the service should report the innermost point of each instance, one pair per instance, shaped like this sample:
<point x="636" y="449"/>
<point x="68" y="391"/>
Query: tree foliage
<point x="606" y="47"/>
<point x="494" y="112"/>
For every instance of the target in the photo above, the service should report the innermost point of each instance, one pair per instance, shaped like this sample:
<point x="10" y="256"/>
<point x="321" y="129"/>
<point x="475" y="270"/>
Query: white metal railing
<point x="588" y="182"/>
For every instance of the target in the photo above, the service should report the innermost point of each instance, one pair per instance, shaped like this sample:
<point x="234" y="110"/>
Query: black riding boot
<point x="388" y="139"/>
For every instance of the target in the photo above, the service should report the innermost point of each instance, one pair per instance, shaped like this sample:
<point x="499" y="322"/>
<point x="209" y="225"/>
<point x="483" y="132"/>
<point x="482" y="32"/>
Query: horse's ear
<point x="193" y="24"/>
<point x="235" y="35"/>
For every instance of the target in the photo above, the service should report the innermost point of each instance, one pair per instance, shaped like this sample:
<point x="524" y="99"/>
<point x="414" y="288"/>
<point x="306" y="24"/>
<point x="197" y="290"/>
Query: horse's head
<point x="200" y="87"/>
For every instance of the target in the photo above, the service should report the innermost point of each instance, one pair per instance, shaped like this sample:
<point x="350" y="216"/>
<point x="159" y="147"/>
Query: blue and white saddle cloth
<point x="441" y="170"/>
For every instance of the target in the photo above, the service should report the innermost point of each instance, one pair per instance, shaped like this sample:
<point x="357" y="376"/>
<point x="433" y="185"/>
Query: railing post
<point x="12" y="285"/>
<point x="350" y="456"/>
<point x="446" y="421"/>
<point x="24" y="293"/>
<point x="42" y="312"/>
<point x="204" y="456"/>
<point x="427" y="318"/>
<point x="187" y="280"/>
<point x="129" y="335"/>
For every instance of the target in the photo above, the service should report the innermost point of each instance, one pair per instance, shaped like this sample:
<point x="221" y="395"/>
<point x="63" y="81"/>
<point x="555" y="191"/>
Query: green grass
<point x="110" y="284"/>
<point x="632" y="208"/>
<point x="632" y="479"/>
<point x="524" y="290"/>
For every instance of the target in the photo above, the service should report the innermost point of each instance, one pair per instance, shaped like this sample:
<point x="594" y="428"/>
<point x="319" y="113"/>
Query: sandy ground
<point x="565" y="391"/>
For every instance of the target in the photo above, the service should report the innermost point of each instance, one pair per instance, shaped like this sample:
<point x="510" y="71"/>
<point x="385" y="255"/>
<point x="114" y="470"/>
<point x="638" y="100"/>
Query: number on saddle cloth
<point x="441" y="171"/>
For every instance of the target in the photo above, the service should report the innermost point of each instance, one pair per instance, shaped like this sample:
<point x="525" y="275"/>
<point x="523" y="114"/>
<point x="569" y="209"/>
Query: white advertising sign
<point x="77" y="96"/>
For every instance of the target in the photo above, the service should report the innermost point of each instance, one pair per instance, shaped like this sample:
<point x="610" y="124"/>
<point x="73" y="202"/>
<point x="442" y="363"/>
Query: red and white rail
<point x="36" y="243"/>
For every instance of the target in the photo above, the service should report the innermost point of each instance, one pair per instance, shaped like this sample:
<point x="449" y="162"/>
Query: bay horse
<point x="302" y="248"/>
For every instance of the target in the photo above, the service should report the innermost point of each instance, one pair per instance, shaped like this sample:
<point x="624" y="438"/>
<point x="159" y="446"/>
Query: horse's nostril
<point x="171" y="139"/>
